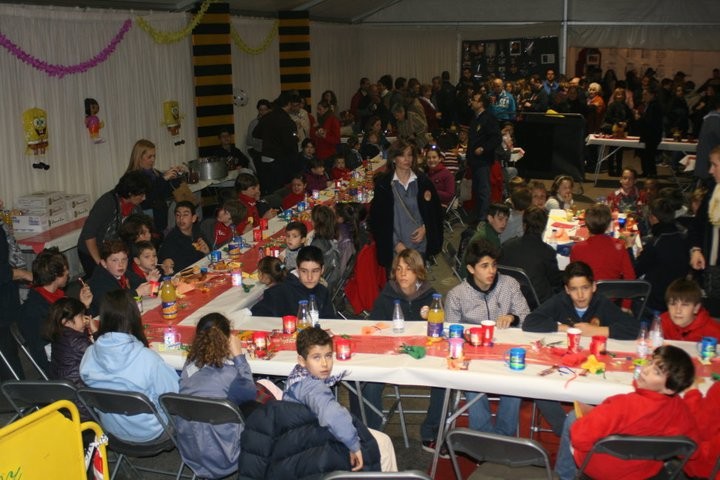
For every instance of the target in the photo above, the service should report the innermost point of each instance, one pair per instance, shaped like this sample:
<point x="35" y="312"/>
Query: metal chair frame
<point x="406" y="475"/>
<point x="626" y="289"/>
<point x="22" y="343"/>
<point x="26" y="396"/>
<point x="524" y="280"/>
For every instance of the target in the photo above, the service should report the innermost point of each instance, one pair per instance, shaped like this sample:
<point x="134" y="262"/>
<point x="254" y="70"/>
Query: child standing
<point x="325" y="229"/>
<point x="686" y="319"/>
<point x="295" y="236"/>
<point x="184" y="245"/>
<point x="298" y="187"/>
<point x="628" y="198"/>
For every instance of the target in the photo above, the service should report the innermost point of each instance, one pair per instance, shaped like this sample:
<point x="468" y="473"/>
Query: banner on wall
<point x="510" y="59"/>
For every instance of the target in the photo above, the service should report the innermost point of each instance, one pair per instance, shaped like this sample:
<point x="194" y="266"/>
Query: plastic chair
<point x="29" y="395"/>
<point x="626" y="447"/>
<point x="22" y="344"/>
<point x="197" y="409"/>
<point x="128" y="403"/>
<point x="408" y="474"/>
<point x="638" y="290"/>
<point x="525" y="284"/>
<point x="522" y="455"/>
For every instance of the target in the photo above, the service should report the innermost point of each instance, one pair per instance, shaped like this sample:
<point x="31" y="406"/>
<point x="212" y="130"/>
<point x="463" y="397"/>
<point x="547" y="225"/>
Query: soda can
<point x="216" y="255"/>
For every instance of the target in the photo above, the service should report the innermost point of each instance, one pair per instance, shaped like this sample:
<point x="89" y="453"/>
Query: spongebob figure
<point x="36" y="132"/>
<point x="172" y="117"/>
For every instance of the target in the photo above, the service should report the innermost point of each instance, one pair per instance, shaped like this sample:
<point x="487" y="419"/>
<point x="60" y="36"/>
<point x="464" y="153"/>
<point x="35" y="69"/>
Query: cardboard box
<point x="38" y="221"/>
<point x="77" y="200"/>
<point x="53" y="209"/>
<point x="38" y="200"/>
<point x="78" y="211"/>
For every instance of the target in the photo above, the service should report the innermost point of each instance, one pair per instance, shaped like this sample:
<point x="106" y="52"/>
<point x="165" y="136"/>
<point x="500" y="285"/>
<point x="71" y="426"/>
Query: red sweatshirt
<point x="707" y="417"/>
<point x="252" y="211"/>
<point x="702" y="326"/>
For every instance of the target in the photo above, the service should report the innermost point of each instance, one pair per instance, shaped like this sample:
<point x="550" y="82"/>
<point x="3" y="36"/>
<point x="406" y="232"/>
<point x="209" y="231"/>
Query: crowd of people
<point x="443" y="133"/>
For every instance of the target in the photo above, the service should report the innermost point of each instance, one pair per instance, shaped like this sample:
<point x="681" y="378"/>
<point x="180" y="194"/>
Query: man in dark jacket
<point x="446" y="101"/>
<point x="650" y="128"/>
<point x="484" y="139"/>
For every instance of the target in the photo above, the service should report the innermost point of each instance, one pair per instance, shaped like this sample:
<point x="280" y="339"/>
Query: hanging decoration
<point x="61" y="70"/>
<point x="36" y="134"/>
<point x="172" y="118"/>
<point x="172" y="37"/>
<point x="92" y="122"/>
<point x="240" y="43"/>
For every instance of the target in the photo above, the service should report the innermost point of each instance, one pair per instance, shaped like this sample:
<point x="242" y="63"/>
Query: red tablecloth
<point x="37" y="242"/>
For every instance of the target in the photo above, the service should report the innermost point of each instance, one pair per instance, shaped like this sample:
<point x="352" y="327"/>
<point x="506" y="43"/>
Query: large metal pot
<point x="209" y="168"/>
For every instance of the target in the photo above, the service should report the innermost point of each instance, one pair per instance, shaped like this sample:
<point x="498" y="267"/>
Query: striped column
<point x="294" y="43"/>
<point x="212" y="71"/>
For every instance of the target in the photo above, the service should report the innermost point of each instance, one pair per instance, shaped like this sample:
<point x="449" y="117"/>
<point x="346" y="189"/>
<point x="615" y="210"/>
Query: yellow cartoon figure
<point x="36" y="134"/>
<point x="172" y="117"/>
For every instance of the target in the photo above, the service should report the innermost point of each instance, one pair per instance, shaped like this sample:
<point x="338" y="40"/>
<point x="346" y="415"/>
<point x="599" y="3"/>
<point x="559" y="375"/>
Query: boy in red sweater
<point x="248" y="192"/>
<point x="686" y="319"/>
<point x="653" y="409"/>
<point x="707" y="418"/>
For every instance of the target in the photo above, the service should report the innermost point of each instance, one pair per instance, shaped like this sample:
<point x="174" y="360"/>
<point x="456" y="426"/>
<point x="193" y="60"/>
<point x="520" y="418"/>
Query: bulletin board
<point x="510" y="59"/>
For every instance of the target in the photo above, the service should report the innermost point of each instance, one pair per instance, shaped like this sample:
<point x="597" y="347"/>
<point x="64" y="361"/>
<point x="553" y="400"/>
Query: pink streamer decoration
<point x="61" y="70"/>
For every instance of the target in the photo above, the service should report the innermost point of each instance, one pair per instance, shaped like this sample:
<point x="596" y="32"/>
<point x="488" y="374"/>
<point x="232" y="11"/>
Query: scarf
<point x="136" y="268"/>
<point x="123" y="282"/>
<point x="126" y="207"/>
<point x="300" y="373"/>
<point x="50" y="297"/>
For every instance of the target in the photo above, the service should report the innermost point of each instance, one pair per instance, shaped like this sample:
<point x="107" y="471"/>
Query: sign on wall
<point x="510" y="59"/>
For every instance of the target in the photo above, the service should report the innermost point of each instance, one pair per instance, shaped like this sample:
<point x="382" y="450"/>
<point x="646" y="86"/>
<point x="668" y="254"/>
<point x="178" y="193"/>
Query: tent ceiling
<point x="440" y="12"/>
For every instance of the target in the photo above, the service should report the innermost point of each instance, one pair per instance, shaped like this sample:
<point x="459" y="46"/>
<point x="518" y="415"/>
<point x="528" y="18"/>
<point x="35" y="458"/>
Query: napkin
<point x="370" y="329"/>
<point x="569" y="359"/>
<point x="415" y="351"/>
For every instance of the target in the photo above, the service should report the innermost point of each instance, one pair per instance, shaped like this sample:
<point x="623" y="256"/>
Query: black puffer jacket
<point x="67" y="352"/>
<point x="283" y="440"/>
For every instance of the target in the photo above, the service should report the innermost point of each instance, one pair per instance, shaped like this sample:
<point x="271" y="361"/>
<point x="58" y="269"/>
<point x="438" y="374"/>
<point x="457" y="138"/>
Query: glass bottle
<point x="313" y="311"/>
<point x="303" y="316"/>
<point x="398" y="318"/>
<point x="656" y="332"/>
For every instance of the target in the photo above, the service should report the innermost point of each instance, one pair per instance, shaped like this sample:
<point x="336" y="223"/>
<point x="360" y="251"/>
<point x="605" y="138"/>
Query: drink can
<point x="598" y="345"/>
<point x="216" y="255"/>
<point x="315" y="194"/>
<point x="236" y="278"/>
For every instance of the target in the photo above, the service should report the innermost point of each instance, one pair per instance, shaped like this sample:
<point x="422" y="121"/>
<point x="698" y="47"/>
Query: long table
<point x="608" y="146"/>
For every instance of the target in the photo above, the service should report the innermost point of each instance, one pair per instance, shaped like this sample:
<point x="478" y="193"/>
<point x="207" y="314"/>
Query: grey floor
<point x="443" y="280"/>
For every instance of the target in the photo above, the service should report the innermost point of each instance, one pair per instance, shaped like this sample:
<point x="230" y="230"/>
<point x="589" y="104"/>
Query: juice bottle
<point x="168" y="297"/>
<point x="436" y="317"/>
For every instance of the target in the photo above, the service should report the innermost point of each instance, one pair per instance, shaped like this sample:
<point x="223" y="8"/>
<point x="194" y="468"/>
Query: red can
<point x="289" y="324"/>
<point x="263" y="224"/>
<point x="598" y="345"/>
<point x="257" y="234"/>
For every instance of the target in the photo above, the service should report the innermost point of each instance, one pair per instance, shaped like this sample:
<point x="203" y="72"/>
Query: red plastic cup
<point x="573" y="335"/>
<point x="343" y="349"/>
<point x="263" y="224"/>
<point x="475" y="336"/>
<point x="260" y="340"/>
<point x="598" y="345"/>
<point x="488" y="331"/>
<point x="257" y="234"/>
<point x="289" y="324"/>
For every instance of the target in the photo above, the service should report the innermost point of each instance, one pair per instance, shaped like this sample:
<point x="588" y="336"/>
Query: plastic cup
<point x="707" y="348"/>
<point x="260" y="340"/>
<point x="573" y="335"/>
<point x="343" y="349"/>
<point x="488" y="331"/>
<point x="289" y="324"/>
<point x="475" y="336"/>
<point x="598" y="345"/>
<point x="515" y="358"/>
<point x="456" y="347"/>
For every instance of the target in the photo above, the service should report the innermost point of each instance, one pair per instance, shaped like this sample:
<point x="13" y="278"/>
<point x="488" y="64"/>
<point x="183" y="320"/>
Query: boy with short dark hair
<point x="143" y="267"/>
<point x="316" y="178"/>
<point x="248" y="193"/>
<point x="653" y="409"/>
<point x="303" y="282"/>
<point x="490" y="230"/>
<point x="184" y="245"/>
<point x="686" y="318"/>
<point x="295" y="236"/>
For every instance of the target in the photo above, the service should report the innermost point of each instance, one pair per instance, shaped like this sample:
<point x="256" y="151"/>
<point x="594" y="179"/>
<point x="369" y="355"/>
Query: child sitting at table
<point x="325" y="230"/>
<point x="686" y="319"/>
<point x="310" y="384"/>
<point x="248" y="189"/>
<point x="112" y="275"/>
<point x="628" y="198"/>
<point x="305" y="281"/>
<point x="295" y="236"/>
<point x="487" y="295"/>
<point x="298" y="189"/>
<point x="144" y="265"/>
<point x="226" y="225"/>
<point x="561" y="196"/>
<point x="271" y="271"/>
<point x="371" y="147"/>
<point x="653" y="409"/>
<point x="70" y="331"/>
<point x="607" y="256"/>
<point x="351" y="153"/>
<point x="339" y="170"/>
<point x="184" y="245"/>
<point x="539" y="193"/>
<point x="216" y="368"/>
<point x="316" y="178"/>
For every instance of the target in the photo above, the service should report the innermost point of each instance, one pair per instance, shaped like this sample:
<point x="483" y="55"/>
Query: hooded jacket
<point x="67" y="353"/>
<point x="119" y="361"/>
<point x="411" y="305"/>
<point x="703" y="325"/>
<point x="282" y="299"/>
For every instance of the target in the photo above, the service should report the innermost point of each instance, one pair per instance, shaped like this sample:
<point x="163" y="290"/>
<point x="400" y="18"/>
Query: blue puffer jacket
<point x="283" y="440"/>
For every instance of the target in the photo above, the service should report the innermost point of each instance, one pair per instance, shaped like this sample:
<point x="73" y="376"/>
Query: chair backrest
<point x="525" y="284"/>
<point x="408" y="474"/>
<point x="116" y="401"/>
<point x="453" y="260"/>
<point x="627" y="447"/>
<point x="494" y="448"/>
<point x="214" y="411"/>
<point x="22" y="344"/>
<point x="27" y="394"/>
<point x="631" y="289"/>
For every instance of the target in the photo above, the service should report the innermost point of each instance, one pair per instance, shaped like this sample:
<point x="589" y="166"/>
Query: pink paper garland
<point x="61" y="70"/>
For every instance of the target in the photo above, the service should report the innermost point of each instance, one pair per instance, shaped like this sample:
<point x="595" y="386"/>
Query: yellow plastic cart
<point x="47" y="444"/>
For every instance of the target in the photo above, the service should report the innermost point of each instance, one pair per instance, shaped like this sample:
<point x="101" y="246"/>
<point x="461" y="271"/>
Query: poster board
<point x="510" y="59"/>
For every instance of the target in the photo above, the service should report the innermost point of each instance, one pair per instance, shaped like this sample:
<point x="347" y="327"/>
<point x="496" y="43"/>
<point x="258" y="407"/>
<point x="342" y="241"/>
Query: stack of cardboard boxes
<point x="42" y="211"/>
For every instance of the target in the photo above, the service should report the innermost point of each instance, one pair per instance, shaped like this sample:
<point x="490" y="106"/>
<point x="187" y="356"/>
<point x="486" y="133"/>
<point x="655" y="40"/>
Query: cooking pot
<point x="211" y="168"/>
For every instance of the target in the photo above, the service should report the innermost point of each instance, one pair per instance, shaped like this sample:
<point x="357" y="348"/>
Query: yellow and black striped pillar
<point x="294" y="44"/>
<point x="212" y="71"/>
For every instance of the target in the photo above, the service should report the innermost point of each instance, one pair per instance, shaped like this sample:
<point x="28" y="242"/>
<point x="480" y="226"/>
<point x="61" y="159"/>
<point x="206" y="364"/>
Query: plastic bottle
<point x="552" y="241"/>
<point x="303" y="316"/>
<point x="168" y="297"/>
<point x="313" y="311"/>
<point x="436" y="317"/>
<point x="398" y="318"/>
<point x="656" y="333"/>
<point x="642" y="344"/>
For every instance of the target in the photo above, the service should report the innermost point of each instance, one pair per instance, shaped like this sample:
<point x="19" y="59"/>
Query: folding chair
<point x="26" y="396"/>
<point x="338" y="297"/>
<point x="525" y="284"/>
<point x="8" y="366"/>
<point x="117" y="402"/>
<point x="22" y="344"/>
<point x="637" y="290"/>
<point x="406" y="475"/>
<point x="451" y="255"/>
<point x="521" y="457"/>
<point x="451" y="212"/>
<point x="627" y="447"/>
<point x="212" y="411"/>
